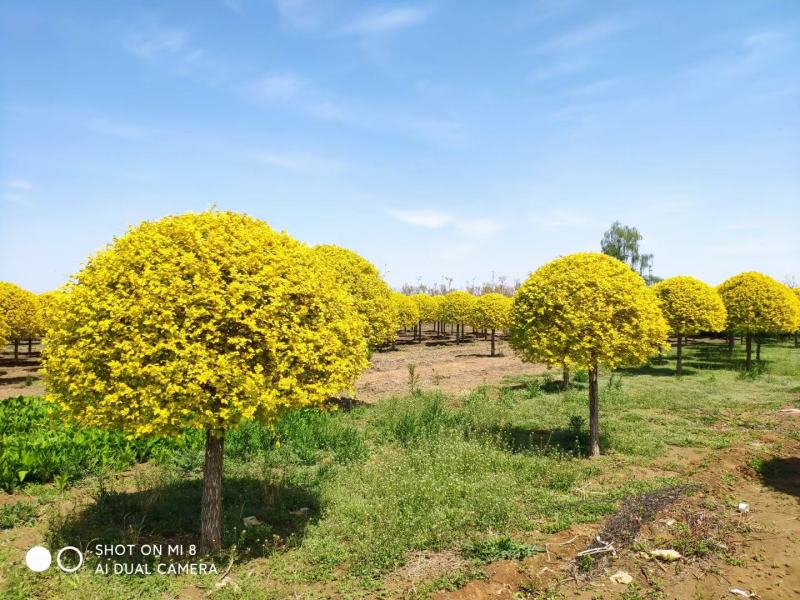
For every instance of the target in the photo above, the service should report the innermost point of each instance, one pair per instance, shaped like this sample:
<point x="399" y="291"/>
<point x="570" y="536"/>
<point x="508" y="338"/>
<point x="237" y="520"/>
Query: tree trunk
<point x="16" y="349"/>
<point x="730" y="342"/>
<point x="211" y="508"/>
<point x="680" y="355"/>
<point x="459" y="330"/>
<point x="594" y="415"/>
<point x="749" y="349"/>
<point x="492" y="342"/>
<point x="565" y="379"/>
<point x="758" y="348"/>
<point x="30" y="346"/>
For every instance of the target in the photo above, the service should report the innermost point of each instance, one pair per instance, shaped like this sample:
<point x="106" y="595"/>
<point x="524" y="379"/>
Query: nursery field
<point x="428" y="490"/>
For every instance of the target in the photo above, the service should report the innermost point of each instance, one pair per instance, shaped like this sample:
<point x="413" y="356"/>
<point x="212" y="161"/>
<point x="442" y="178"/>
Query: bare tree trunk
<point x="758" y="348"/>
<point x="458" y="333"/>
<point x="30" y="346"/>
<point x="16" y="349"/>
<point x="749" y="361"/>
<point x="730" y="342"/>
<point x="211" y="507"/>
<point x="565" y="378"/>
<point x="594" y="415"/>
<point x="492" y="341"/>
<point x="680" y="355"/>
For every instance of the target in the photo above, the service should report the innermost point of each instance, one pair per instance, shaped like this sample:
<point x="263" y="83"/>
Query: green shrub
<point x="499" y="548"/>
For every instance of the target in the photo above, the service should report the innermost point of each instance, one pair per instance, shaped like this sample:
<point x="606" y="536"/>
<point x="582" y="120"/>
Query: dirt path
<point x="757" y="552"/>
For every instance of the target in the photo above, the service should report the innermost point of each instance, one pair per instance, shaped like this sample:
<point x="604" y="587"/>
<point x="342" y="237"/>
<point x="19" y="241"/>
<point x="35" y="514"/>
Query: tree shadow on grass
<point x="656" y="370"/>
<point x="170" y="514"/>
<point x="559" y="440"/>
<point x="782" y="474"/>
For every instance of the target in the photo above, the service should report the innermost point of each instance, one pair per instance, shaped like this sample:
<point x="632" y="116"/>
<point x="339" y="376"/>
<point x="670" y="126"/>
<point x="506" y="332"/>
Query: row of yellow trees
<point x="205" y="320"/>
<point x="22" y="315"/>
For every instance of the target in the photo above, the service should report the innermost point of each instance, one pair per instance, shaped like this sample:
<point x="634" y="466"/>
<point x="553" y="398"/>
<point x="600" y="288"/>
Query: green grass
<point x="345" y="496"/>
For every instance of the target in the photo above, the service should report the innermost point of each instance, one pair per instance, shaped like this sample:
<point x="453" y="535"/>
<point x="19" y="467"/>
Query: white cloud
<point x="430" y="219"/>
<point x="586" y="35"/>
<point x="385" y="20"/>
<point x="437" y="219"/>
<point x="276" y="88"/>
<point x="18" y="185"/>
<point x="125" y="131"/>
<point x="16" y="191"/>
<point x="301" y="14"/>
<point x="301" y="162"/>
<point x="157" y="41"/>
<point x="482" y="226"/>
<point x="596" y="88"/>
<point x="174" y="47"/>
<point x="236" y="6"/>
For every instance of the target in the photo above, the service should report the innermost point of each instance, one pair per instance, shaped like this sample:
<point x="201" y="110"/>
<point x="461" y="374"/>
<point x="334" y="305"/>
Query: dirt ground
<point x="756" y="552"/>
<point x="20" y="377"/>
<point x="440" y="363"/>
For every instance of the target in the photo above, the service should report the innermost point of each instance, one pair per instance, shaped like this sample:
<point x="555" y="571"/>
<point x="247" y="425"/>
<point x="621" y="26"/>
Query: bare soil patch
<point x="441" y="364"/>
<point x="20" y="376"/>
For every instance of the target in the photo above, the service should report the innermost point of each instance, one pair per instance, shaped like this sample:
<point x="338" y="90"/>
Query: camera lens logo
<point x="39" y="559"/>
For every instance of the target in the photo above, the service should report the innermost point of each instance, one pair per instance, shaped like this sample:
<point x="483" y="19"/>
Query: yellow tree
<point x="456" y="308"/>
<point x="427" y="307"/>
<point x="406" y="310"/>
<point x="796" y="292"/>
<point x="5" y="330"/>
<point x="437" y="313"/>
<point x="757" y="304"/>
<point x="371" y="294"/>
<point x="491" y="312"/>
<point x="201" y="321"/>
<point x="690" y="306"/>
<point x="19" y="310"/>
<point x="587" y="310"/>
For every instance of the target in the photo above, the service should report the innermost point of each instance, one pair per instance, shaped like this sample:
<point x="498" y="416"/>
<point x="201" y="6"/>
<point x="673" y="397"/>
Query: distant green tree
<point x="622" y="242"/>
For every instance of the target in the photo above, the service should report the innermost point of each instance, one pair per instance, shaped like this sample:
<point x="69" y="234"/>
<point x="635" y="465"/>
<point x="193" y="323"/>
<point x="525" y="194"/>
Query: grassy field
<point x="343" y="499"/>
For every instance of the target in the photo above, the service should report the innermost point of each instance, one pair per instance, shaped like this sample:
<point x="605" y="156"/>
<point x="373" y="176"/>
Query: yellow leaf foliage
<point x="5" y="330"/>
<point x="756" y="303"/>
<point x="46" y="304"/>
<point x="456" y="307"/>
<point x="585" y="310"/>
<point x="406" y="310"/>
<point x="200" y="320"/>
<point x="796" y="292"/>
<point x="370" y="293"/>
<point x="427" y="306"/>
<point x="690" y="306"/>
<point x="19" y="311"/>
<point x="491" y="311"/>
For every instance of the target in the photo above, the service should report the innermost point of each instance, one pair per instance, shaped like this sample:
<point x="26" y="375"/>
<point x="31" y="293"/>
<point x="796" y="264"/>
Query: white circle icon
<point x="69" y="569"/>
<point x="38" y="559"/>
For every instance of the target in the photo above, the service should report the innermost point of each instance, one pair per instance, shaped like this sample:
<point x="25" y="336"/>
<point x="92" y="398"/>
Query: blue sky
<point x="450" y="138"/>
